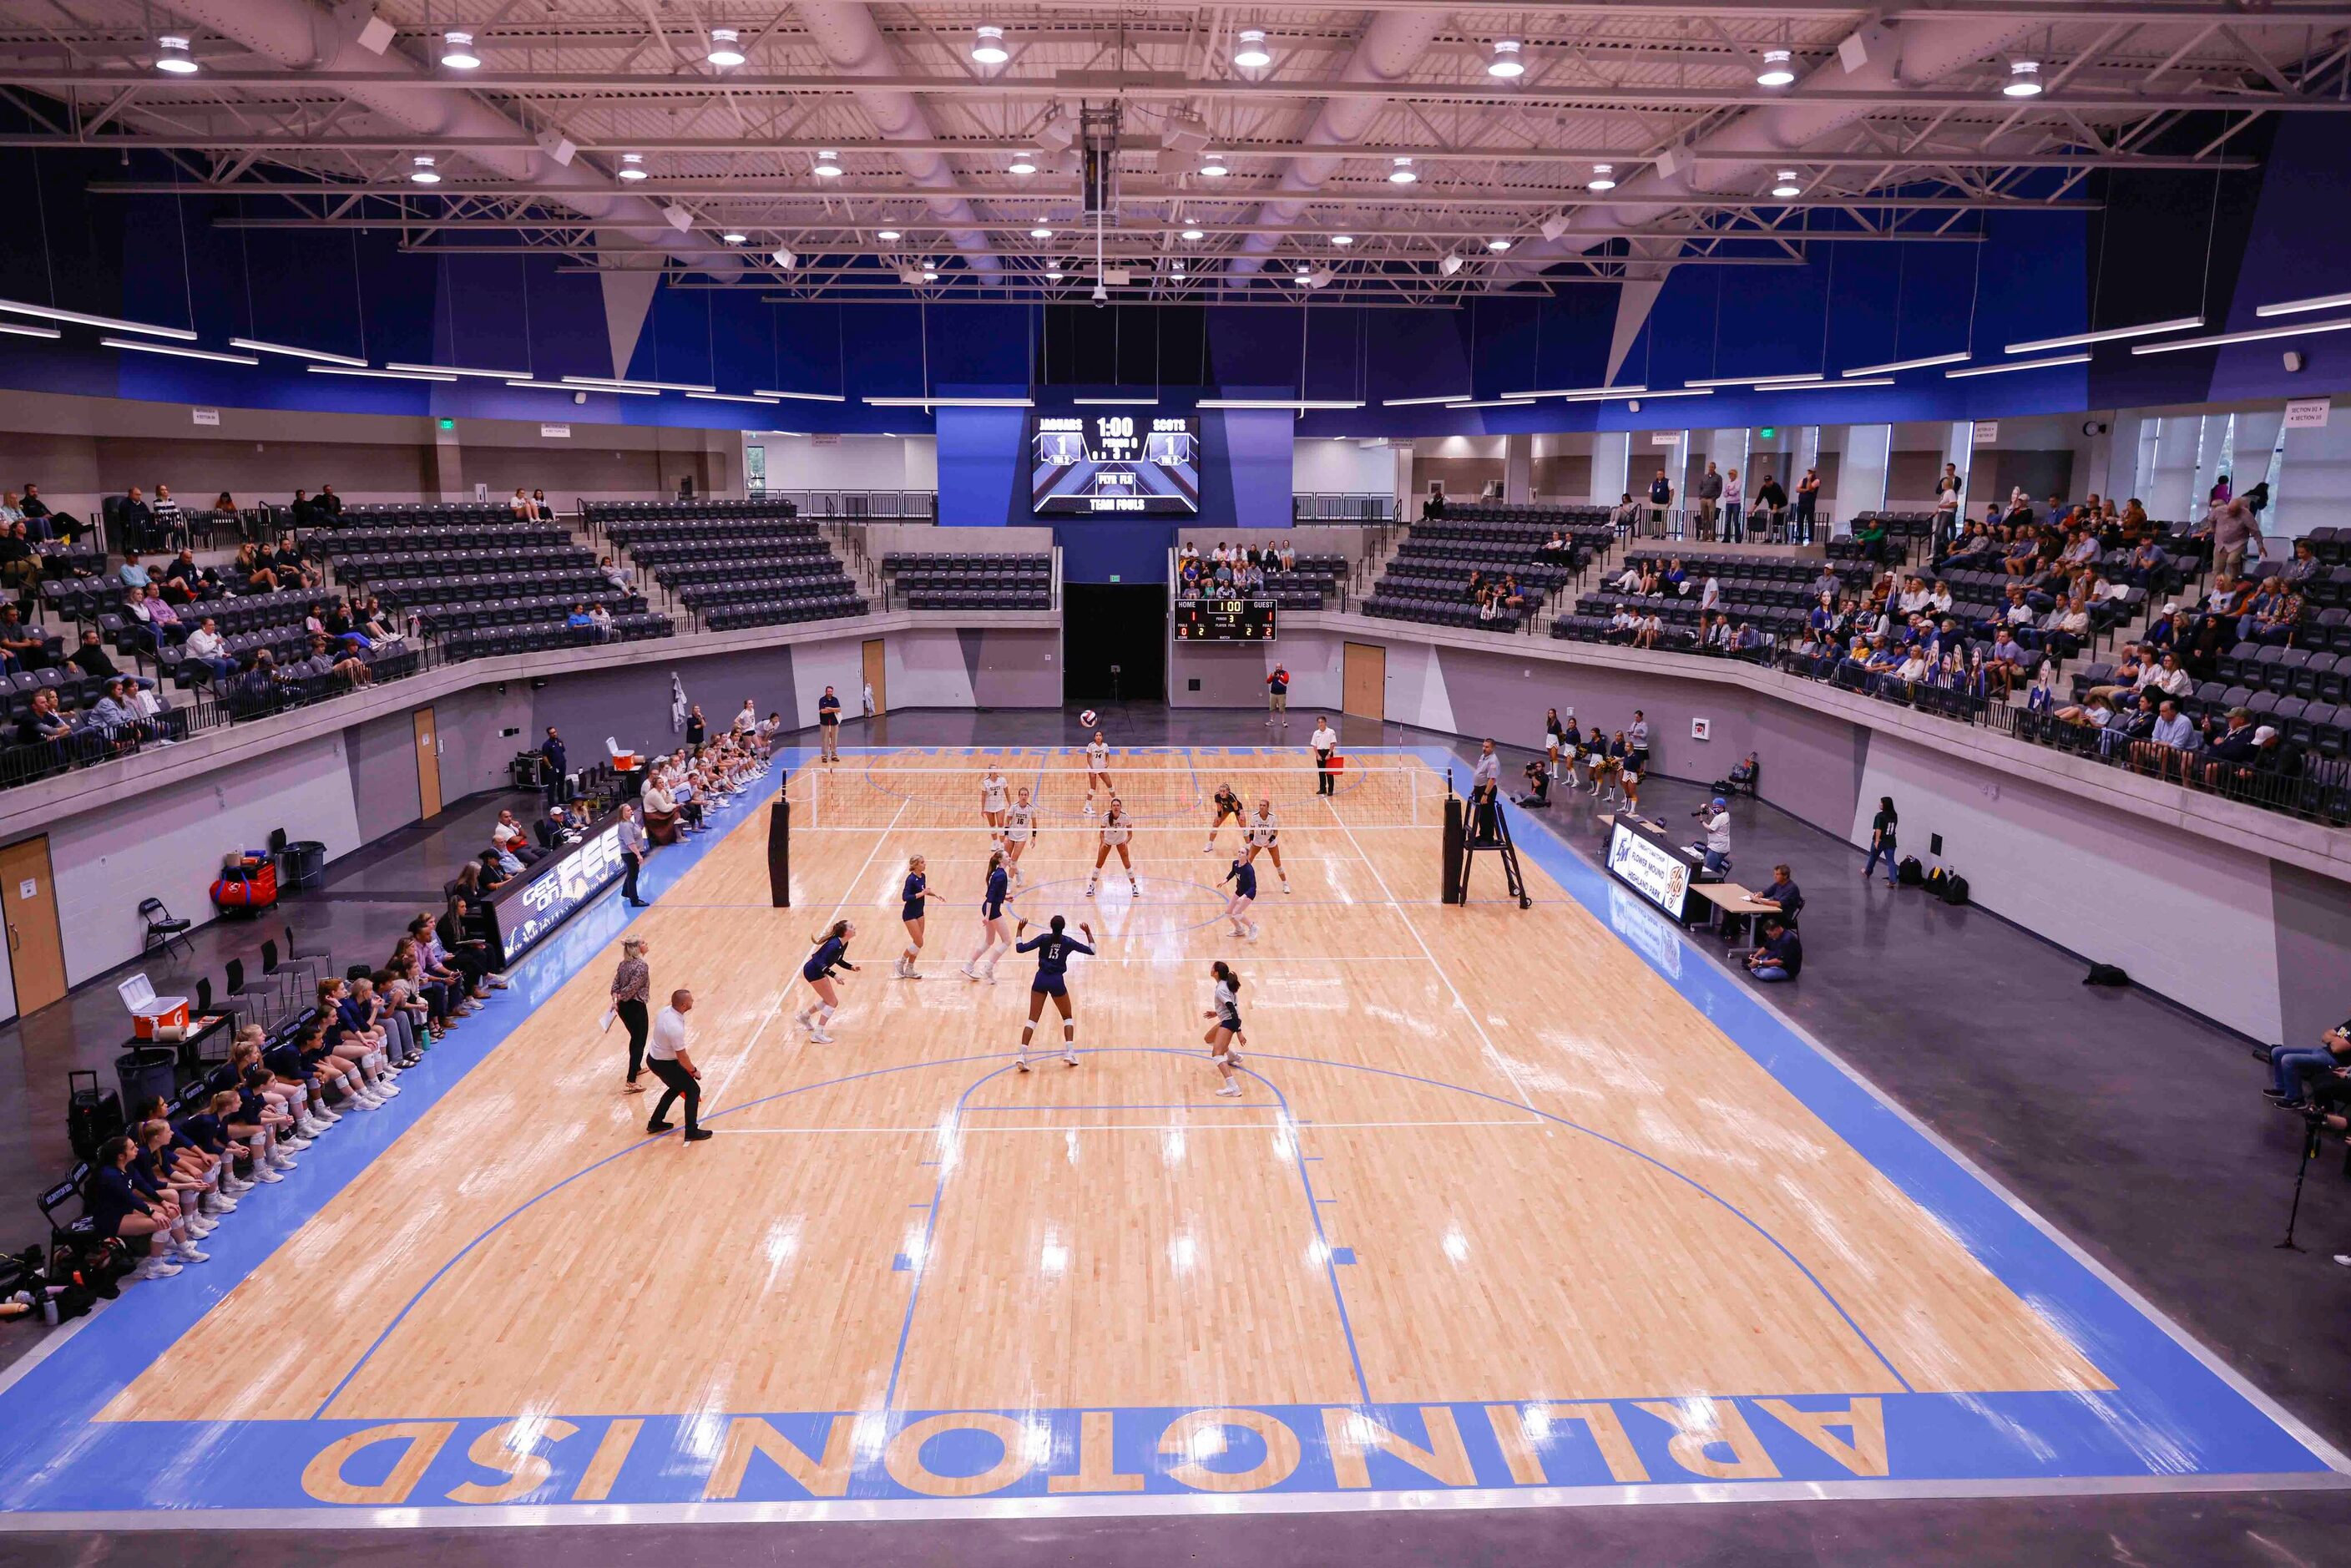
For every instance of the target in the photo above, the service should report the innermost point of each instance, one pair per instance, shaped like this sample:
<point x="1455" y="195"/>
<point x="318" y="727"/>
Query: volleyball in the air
<point x="1086" y="719"/>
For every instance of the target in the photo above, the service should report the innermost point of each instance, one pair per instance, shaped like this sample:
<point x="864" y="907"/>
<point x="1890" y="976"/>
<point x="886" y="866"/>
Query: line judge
<point x="667" y="1059"/>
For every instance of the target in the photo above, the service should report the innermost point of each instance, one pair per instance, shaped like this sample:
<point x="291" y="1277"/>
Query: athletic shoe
<point x="1134" y="887"/>
<point x="1285" y="885"/>
<point x="696" y="1134"/>
<point x="911" y="973"/>
<point x="801" y="1018"/>
<point x="659" y="1126"/>
<point x="188" y="1254"/>
<point x="266" y="1174"/>
<point x="220" y="1203"/>
<point x="1090" y="890"/>
<point x="818" y="1036"/>
<point x="155" y="1267"/>
<point x="1230" y="1090"/>
<point x="1021" y="1062"/>
<point x="969" y="973"/>
<point x="1071" y="1057"/>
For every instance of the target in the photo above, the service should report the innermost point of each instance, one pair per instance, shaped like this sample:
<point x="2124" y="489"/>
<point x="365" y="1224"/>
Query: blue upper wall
<point x="2159" y="245"/>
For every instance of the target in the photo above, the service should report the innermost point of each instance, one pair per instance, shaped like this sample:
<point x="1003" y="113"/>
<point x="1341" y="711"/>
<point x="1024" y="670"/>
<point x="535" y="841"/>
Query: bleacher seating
<point x="1428" y="579"/>
<point x="735" y="564"/>
<point x="922" y="580"/>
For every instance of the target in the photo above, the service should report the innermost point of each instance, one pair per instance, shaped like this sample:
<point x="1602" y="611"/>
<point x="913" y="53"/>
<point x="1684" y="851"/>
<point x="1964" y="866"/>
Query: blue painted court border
<point x="2176" y="1418"/>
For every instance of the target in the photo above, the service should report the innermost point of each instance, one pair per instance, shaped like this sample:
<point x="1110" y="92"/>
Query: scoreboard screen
<point x="1114" y="465"/>
<point x="1223" y="620"/>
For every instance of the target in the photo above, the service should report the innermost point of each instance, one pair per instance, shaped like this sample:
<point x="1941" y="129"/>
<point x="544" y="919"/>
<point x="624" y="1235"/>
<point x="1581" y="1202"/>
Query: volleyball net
<point x="1155" y="789"/>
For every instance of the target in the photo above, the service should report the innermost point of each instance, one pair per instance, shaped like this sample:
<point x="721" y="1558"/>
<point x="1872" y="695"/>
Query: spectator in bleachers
<point x="251" y="572"/>
<point x="1771" y="501"/>
<point x="506" y="837"/>
<point x="1808" y="497"/>
<point x="113" y="716"/>
<point x="1661" y="500"/>
<point x="42" y="721"/>
<point x="336" y="659"/>
<point x="1646" y="630"/>
<point x="328" y="504"/>
<point x="225" y="514"/>
<point x="1627" y="514"/>
<point x="600" y="623"/>
<point x="166" y="521"/>
<point x="2229" y="745"/>
<point x="20" y="565"/>
<point x="2271" y="615"/>
<point x="2304" y="566"/>
<point x="208" y="648"/>
<point x="2234" y="531"/>
<point x="154" y="612"/>
<point x="132" y="573"/>
<point x="138" y="521"/>
<point x="521" y="507"/>
<point x="22" y="647"/>
<point x="91" y="658"/>
<point x="1734" y="514"/>
<point x="1709" y="500"/>
<point x="256" y="689"/>
<point x="292" y="571"/>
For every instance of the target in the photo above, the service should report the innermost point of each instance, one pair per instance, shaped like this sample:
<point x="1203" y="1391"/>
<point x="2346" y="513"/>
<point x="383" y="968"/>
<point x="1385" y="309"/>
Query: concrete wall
<point x="1341" y="465"/>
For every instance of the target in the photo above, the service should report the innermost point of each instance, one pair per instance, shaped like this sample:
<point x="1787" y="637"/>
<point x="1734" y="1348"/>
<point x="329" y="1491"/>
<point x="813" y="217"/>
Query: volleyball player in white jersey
<point x="992" y="790"/>
<point x="1019" y="827"/>
<point x="1265" y="837"/>
<point x="1097" y="770"/>
<point x="1224" y="1033"/>
<point x="1116" y="829"/>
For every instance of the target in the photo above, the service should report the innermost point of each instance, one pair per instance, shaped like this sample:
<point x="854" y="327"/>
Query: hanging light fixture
<point x="421" y="172"/>
<point x="457" y="51"/>
<point x="2024" y="80"/>
<point x="1052" y="275"/>
<point x="1504" y="60"/>
<point x="172" y="55"/>
<point x="1250" y="53"/>
<point x="930" y="273"/>
<point x="633" y="165"/>
<point x="887" y="236"/>
<point x="1778" y="68"/>
<point x="1195" y="237"/>
<point x="734" y="236"/>
<point x="1040" y="233"/>
<point x="988" y="46"/>
<point x="828" y="165"/>
<point x="1023" y="163"/>
<point x="1498" y="244"/>
<point x="725" y="47"/>
<point x="1342" y="239"/>
<point x="1787" y="185"/>
<point x="1213" y="166"/>
<point x="1604" y="178"/>
<point x="1402" y="174"/>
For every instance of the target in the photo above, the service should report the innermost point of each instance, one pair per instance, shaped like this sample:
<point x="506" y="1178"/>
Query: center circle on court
<point x="1112" y="898"/>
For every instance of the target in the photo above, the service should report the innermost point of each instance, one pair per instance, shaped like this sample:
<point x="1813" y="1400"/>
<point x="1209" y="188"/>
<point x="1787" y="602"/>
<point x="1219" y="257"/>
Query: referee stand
<point x="1474" y="827"/>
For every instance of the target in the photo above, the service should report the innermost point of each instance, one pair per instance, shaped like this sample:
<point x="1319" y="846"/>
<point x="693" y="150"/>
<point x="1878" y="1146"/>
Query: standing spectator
<point x="2235" y="530"/>
<point x="631" y="986"/>
<point x="1808" y="496"/>
<point x="697" y="728"/>
<point x="1881" y="840"/>
<point x="551" y="751"/>
<point x="1771" y="500"/>
<point x="1325" y="742"/>
<point x="1948" y="490"/>
<point x="828" y="724"/>
<point x="635" y="845"/>
<point x="1709" y="500"/>
<point x="1661" y="500"/>
<point x="1734" y="521"/>
<point x="1636" y="737"/>
<point x="171" y="527"/>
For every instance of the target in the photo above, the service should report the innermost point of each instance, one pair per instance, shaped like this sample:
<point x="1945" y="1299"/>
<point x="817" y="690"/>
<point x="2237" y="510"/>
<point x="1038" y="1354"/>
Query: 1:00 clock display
<point x="1224" y="619"/>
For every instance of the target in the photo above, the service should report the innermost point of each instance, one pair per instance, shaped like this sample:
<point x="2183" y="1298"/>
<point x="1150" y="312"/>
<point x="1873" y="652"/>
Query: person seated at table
<point x="1780" y="956"/>
<point x="1785" y="895"/>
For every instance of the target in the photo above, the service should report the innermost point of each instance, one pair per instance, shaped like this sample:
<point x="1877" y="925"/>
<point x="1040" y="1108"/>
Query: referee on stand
<point x="668" y="1059"/>
<point x="1325" y="742"/>
<point x="1485" y="785"/>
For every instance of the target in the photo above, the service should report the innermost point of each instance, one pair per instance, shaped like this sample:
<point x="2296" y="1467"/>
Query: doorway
<point x="36" y="951"/>
<point x="877" y="675"/>
<point x="428" y="764"/>
<point x="1114" y="641"/>
<point x="1364" y="684"/>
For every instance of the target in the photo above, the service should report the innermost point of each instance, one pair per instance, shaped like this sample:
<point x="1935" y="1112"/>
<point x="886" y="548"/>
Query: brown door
<point x="1363" y="689"/>
<point x="877" y="675"/>
<point x="428" y="764"/>
<point x="36" y="951"/>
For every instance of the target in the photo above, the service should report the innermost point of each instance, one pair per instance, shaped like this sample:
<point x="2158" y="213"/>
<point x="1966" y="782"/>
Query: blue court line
<point x="1322" y="1237"/>
<point x="930" y="1231"/>
<point x="1215" y="1107"/>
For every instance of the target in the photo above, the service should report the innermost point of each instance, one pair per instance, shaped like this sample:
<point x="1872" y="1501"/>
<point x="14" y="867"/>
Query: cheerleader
<point x="1224" y="1033"/>
<point x="1052" y="950"/>
<point x="1264" y="835"/>
<point x="1552" y="733"/>
<point x="1228" y="804"/>
<point x="991" y="798"/>
<point x="831" y="952"/>
<point x="993" y="938"/>
<point x="1571" y="752"/>
<point x="1097" y="770"/>
<point x="1019" y="827"/>
<point x="1243" y="876"/>
<point x="913" y="899"/>
<point x="1116" y="829"/>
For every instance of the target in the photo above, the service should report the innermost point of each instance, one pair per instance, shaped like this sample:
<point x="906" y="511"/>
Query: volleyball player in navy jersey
<point x="830" y="952"/>
<point x="1243" y="876"/>
<point x="994" y="939"/>
<point x="913" y="901"/>
<point x="1052" y="949"/>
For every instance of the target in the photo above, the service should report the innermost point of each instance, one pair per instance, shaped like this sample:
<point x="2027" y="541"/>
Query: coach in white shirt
<point x="1326" y="741"/>
<point x="666" y="1056"/>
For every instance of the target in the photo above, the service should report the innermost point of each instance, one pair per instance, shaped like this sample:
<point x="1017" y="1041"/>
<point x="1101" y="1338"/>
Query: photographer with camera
<point x="2297" y="1073"/>
<point x="1714" y="817"/>
<point x="1537" y="795"/>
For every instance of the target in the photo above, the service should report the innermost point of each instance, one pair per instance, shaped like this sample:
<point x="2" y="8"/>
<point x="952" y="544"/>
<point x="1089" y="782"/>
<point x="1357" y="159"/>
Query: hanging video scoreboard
<point x="1114" y="465"/>
<point x="1223" y="620"/>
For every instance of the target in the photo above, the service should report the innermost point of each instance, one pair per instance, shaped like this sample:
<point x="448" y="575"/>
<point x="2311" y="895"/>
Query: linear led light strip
<point x="1579" y="391"/>
<point x="529" y="384"/>
<point x="380" y="375"/>
<point x="1757" y="381"/>
<point x="629" y="383"/>
<point x="950" y="403"/>
<point x="1300" y="404"/>
<point x="2315" y="302"/>
<point x="76" y="319"/>
<point x="2258" y="334"/>
<point x="1887" y="369"/>
<point x="730" y="397"/>
<point x="176" y="351"/>
<point x="455" y="371"/>
<point x="802" y="397"/>
<point x="2020" y="365"/>
<point x="261" y="345"/>
<point x="1417" y="401"/>
<point x="1115" y="402"/>
<point x="2076" y="340"/>
<point x="1496" y="403"/>
<point x="19" y="330"/>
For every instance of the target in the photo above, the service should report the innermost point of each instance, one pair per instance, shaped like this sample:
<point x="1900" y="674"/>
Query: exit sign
<point x="1767" y="433"/>
<point x="1114" y="576"/>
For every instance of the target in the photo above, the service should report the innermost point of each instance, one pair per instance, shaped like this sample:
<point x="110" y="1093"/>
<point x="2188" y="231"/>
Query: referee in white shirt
<point x="667" y="1058"/>
<point x="1485" y="787"/>
<point x="1326" y="741"/>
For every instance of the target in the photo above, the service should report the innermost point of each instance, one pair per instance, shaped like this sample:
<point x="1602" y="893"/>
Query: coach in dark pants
<point x="633" y="984"/>
<point x="635" y="845"/>
<point x="1325" y="742"/>
<point x="552" y="749"/>
<point x="669" y="1062"/>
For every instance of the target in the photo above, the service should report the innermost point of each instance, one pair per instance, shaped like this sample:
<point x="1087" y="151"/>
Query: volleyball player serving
<point x="1264" y="835"/>
<point x="1097" y="770"/>
<point x="1116" y="829"/>
<point x="914" y="898"/>
<point x="1226" y="1031"/>
<point x="1019" y="827"/>
<point x="1052" y="949"/>
<point x="831" y="953"/>
<point x="1228" y="804"/>
<point x="993" y="938"/>
<point x="991" y="798"/>
<point x="1243" y="876"/>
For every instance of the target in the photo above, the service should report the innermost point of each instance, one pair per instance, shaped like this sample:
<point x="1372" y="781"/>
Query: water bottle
<point x="49" y="1308"/>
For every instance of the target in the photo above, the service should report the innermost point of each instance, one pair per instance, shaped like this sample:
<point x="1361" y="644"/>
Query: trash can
<point x="302" y="863"/>
<point x="145" y="1073"/>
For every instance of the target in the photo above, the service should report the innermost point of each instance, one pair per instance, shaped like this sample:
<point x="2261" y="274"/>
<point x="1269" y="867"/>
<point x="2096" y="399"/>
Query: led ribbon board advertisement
<point x="1114" y="465"/>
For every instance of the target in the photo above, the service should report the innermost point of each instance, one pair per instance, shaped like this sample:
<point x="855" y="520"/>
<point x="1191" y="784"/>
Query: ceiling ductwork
<point x="1388" y="50"/>
<point x="301" y="35"/>
<point x="845" y="32"/>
